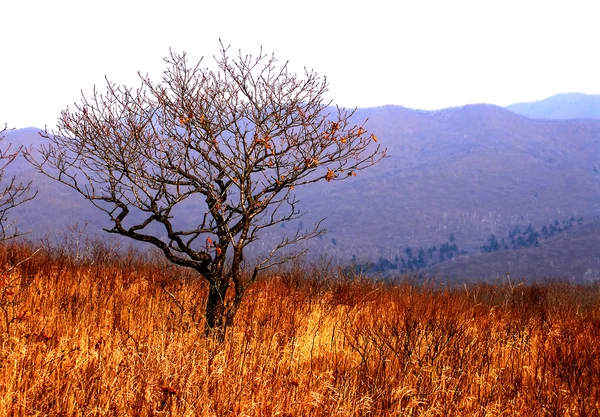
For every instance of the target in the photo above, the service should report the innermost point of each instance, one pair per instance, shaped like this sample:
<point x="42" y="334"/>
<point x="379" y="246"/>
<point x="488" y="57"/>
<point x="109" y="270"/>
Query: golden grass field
<point x="124" y="337"/>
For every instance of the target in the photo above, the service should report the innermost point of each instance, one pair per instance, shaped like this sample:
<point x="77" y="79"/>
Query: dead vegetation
<point x="124" y="336"/>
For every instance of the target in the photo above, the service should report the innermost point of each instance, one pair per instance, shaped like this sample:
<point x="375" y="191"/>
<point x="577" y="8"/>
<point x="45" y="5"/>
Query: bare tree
<point x="12" y="193"/>
<point x="236" y="141"/>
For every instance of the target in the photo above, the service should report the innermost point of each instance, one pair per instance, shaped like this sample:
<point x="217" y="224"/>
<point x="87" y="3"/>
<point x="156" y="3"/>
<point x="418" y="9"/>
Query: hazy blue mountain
<point x="468" y="172"/>
<point x="561" y="106"/>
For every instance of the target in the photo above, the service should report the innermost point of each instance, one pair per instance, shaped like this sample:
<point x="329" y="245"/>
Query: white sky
<point x="421" y="53"/>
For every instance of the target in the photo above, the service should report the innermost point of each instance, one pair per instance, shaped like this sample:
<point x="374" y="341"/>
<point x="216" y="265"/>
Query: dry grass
<point x="121" y="337"/>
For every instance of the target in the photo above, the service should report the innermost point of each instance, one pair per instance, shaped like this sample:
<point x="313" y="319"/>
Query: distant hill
<point x="561" y="107"/>
<point x="470" y="171"/>
<point x="465" y="172"/>
<point x="566" y="255"/>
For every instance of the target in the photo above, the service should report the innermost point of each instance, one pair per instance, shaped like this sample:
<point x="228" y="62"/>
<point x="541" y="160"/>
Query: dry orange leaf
<point x="311" y="162"/>
<point x="330" y="175"/>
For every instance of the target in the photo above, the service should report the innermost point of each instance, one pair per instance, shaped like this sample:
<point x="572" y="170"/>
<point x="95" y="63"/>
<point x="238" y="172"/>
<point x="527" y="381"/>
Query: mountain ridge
<point x="468" y="171"/>
<point x="562" y="106"/>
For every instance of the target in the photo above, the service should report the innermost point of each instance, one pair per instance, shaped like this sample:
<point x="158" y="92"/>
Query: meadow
<point x="123" y="335"/>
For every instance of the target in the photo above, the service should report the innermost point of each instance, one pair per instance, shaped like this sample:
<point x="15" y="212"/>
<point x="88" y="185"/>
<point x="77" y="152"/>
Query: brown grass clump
<point x="123" y="337"/>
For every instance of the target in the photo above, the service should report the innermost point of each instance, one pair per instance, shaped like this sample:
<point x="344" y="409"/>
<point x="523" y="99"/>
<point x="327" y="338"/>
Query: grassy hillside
<point x="123" y="336"/>
<point x="573" y="255"/>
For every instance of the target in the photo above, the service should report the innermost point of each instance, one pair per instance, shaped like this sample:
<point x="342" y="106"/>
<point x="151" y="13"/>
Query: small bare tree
<point x="12" y="192"/>
<point x="235" y="141"/>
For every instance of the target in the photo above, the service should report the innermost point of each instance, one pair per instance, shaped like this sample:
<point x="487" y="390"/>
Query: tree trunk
<point x="215" y="311"/>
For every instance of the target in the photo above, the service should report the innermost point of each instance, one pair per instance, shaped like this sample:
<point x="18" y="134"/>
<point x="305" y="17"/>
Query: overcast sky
<point x="425" y="54"/>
